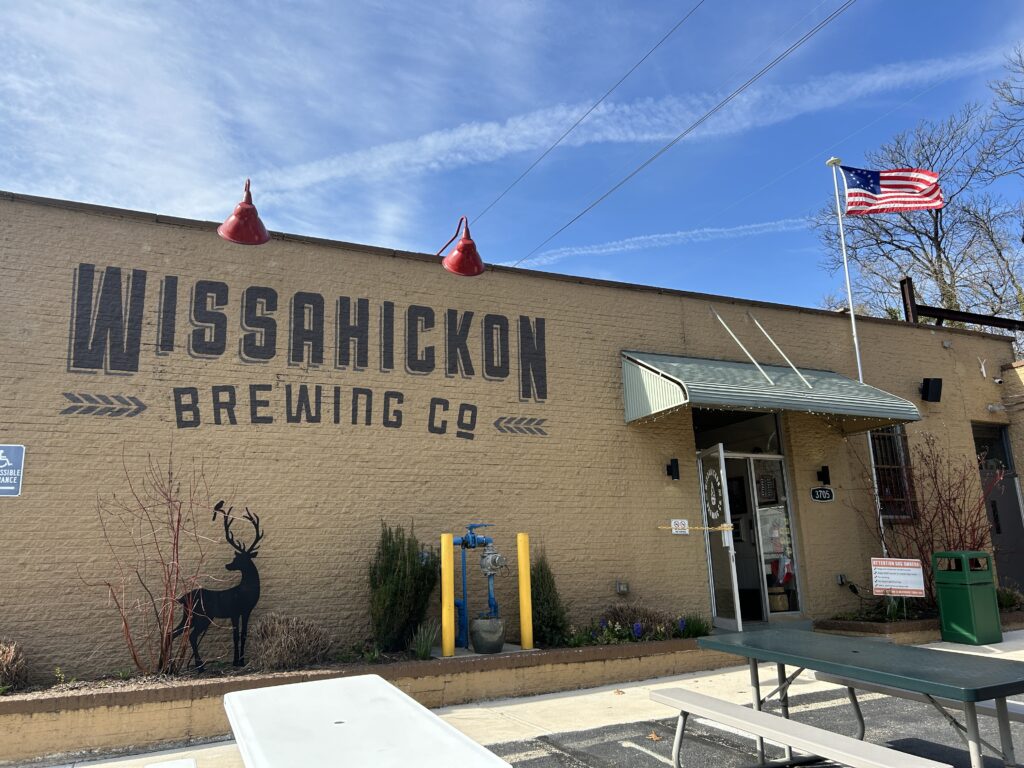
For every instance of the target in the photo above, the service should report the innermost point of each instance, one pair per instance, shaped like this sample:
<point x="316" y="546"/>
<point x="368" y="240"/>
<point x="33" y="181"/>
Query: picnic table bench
<point x="970" y="683"/>
<point x="817" y="742"/>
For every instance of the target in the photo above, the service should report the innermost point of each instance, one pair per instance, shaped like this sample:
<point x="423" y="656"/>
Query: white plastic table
<point x="349" y="721"/>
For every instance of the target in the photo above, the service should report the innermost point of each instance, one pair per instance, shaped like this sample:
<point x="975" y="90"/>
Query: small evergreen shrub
<point x="13" y="669"/>
<point x="287" y="642"/>
<point x="402" y="577"/>
<point x="550" y="616"/>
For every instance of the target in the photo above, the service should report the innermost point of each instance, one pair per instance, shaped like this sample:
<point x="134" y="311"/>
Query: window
<point x="892" y="473"/>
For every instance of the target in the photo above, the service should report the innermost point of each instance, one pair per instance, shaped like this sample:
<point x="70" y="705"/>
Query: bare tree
<point x="949" y="509"/>
<point x="967" y="255"/>
<point x="1008" y="116"/>
<point x="153" y="536"/>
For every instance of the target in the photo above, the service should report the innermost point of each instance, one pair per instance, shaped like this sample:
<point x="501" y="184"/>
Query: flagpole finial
<point x="833" y="161"/>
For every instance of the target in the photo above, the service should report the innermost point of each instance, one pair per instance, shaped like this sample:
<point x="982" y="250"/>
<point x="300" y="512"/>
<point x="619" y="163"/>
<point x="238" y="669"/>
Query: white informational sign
<point x="896" y="577"/>
<point x="681" y="527"/>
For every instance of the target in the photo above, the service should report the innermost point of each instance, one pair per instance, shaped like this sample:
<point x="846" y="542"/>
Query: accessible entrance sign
<point x="12" y="461"/>
<point x="896" y="577"/>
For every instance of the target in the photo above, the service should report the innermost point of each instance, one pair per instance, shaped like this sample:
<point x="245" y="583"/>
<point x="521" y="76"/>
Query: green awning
<point x="654" y="384"/>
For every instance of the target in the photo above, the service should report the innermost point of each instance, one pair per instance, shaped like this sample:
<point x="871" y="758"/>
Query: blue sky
<point x="382" y="123"/>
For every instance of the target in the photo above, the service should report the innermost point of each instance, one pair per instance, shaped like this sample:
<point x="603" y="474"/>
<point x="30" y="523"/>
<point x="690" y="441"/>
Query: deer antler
<point x="253" y="518"/>
<point x="229" y="537"/>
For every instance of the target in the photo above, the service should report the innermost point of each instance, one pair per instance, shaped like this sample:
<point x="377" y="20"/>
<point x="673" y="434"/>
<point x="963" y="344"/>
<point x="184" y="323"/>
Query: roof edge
<point x="126" y="213"/>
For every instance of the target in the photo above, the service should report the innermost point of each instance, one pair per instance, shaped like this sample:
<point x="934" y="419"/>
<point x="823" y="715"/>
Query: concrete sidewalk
<point x="517" y="720"/>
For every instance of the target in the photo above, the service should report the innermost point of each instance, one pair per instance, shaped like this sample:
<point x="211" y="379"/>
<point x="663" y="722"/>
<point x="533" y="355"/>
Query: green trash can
<point x="966" y="591"/>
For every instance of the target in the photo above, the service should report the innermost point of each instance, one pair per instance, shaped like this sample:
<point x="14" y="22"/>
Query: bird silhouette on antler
<point x="203" y="605"/>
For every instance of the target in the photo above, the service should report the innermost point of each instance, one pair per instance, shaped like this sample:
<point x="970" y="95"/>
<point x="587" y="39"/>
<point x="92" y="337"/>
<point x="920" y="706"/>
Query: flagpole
<point x="835" y="162"/>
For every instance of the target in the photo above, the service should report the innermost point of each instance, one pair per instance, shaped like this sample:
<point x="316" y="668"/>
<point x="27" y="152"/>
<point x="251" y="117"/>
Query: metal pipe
<point x="834" y="162"/>
<point x="779" y="350"/>
<point x="740" y="343"/>
<point x="525" y="592"/>
<point x="784" y="700"/>
<point x="1005" y="737"/>
<point x="755" y="694"/>
<point x="447" y="595"/>
<point x="463" y="639"/>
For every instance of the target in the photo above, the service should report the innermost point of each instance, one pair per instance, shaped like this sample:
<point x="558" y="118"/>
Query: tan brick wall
<point x="592" y="493"/>
<point x="1013" y="400"/>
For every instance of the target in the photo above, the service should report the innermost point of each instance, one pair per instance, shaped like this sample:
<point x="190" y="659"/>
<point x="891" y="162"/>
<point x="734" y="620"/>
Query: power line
<point x="828" y="150"/>
<point x="586" y="114"/>
<point x="696" y="124"/>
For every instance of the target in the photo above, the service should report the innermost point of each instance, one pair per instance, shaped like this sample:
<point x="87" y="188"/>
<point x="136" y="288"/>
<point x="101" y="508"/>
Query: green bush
<point x="550" y="615"/>
<point x="402" y="576"/>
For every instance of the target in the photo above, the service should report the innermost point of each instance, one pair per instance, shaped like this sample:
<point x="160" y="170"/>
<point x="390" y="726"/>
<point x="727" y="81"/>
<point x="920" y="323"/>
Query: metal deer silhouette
<point x="236" y="603"/>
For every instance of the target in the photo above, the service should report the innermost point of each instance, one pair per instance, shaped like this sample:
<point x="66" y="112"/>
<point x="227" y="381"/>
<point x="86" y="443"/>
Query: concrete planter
<point x="903" y="632"/>
<point x="50" y="727"/>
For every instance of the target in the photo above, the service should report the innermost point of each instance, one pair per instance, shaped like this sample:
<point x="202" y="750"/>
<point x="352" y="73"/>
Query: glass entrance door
<point x="725" y="599"/>
<point x="775" y="535"/>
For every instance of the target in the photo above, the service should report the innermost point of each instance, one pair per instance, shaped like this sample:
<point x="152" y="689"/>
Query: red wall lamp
<point x="464" y="259"/>
<point x="243" y="226"/>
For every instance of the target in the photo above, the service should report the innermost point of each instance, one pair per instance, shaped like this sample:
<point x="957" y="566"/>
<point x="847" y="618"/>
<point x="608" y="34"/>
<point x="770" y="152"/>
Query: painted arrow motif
<point x="114" y="406"/>
<point x="520" y="425"/>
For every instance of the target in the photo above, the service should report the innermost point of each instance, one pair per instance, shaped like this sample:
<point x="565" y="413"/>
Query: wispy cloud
<point x="644" y="120"/>
<point x="663" y="240"/>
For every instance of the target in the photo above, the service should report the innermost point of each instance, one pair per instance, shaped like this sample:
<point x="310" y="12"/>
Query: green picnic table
<point x="958" y="677"/>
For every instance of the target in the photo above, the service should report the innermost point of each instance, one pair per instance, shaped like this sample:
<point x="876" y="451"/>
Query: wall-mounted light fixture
<point x="823" y="475"/>
<point x="243" y="226"/>
<point x="464" y="259"/>
<point x="672" y="469"/>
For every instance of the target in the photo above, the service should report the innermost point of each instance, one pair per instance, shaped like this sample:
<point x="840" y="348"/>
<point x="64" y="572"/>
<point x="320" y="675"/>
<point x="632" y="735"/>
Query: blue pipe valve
<point x="491" y="562"/>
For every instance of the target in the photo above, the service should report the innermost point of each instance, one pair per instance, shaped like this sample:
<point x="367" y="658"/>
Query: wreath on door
<point x="713" y="497"/>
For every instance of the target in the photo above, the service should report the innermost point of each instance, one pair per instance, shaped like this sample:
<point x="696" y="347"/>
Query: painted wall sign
<point x="896" y="577"/>
<point x="823" y="494"/>
<point x="681" y="527"/>
<point x="12" y="462"/>
<point x="310" y="331"/>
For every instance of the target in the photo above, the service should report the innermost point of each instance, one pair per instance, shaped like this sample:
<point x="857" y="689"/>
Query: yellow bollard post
<point x="525" y="594"/>
<point x="447" y="595"/>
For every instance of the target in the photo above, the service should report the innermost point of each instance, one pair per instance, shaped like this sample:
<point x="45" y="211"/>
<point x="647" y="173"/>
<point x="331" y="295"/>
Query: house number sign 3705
<point x="823" y="494"/>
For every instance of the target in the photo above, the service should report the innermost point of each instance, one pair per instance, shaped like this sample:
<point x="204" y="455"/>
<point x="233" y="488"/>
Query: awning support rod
<point x="740" y="343"/>
<point x="779" y="350"/>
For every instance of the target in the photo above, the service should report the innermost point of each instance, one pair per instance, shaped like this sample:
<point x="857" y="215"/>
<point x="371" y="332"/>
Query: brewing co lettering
<point x="310" y="330"/>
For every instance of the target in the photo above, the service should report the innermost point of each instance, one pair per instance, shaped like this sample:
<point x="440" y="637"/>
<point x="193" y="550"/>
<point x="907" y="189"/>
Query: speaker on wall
<point x="931" y="390"/>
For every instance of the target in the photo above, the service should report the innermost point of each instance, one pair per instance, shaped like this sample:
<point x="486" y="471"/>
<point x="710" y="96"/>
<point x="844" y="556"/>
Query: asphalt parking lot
<point x="907" y="726"/>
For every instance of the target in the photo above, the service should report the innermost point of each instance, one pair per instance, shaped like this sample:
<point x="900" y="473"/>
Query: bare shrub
<point x="950" y="513"/>
<point x="288" y="642"/>
<point x="13" y="669"/>
<point x="152" y="533"/>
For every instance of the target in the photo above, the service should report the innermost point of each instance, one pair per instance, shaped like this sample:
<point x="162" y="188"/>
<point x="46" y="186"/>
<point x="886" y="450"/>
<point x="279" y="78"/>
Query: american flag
<point x="901" y="189"/>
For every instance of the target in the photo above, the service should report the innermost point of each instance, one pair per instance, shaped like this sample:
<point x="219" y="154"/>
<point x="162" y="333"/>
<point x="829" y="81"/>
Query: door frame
<point x="735" y="624"/>
<point x="727" y="623"/>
